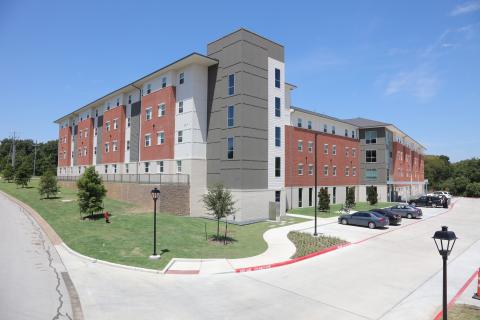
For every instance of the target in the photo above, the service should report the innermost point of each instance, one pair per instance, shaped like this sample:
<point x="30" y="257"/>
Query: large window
<point x="180" y="136"/>
<point x="300" y="169"/>
<point x="371" y="174"/>
<point x="107" y="147"/>
<point x="179" y="166"/>
<point x="370" y="137"/>
<point x="160" y="166"/>
<point x="278" y="137"/>
<point x="149" y="88"/>
<point x="371" y="156"/>
<point x="278" y="166"/>
<point x="231" y="84"/>
<point x="334" y="171"/>
<point x="346" y="133"/>
<point x="325" y="148"/>
<point x="309" y="124"/>
<point x="277" y="78"/>
<point x="277" y="107"/>
<point x="160" y="137"/>
<point x="148" y="113"/>
<point x="230" y="147"/>
<point x="164" y="82"/>
<point x="148" y="140"/>
<point x="299" y="122"/>
<point x="334" y="150"/>
<point x="230" y="116"/>
<point x="325" y="170"/>
<point x="300" y="145"/>
<point x="310" y="146"/>
<point x="310" y="169"/>
<point x="333" y="129"/>
<point x="161" y="109"/>
<point x="146" y="167"/>
<point x="180" y="107"/>
<point x="114" y="146"/>
<point x="300" y="196"/>
<point x="107" y="125"/>
<point x="325" y="128"/>
<point x="181" y="78"/>
<point x="347" y="171"/>
<point x="115" y="124"/>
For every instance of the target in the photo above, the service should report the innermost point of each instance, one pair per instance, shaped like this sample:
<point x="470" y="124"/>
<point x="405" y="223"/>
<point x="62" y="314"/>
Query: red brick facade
<point x="156" y="124"/>
<point x="113" y="135"/>
<point x="64" y="147"/>
<point x="407" y="164"/>
<point x="344" y="158"/>
<point x="85" y="142"/>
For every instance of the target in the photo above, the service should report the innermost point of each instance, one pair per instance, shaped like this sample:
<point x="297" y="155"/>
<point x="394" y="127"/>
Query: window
<point x="230" y="116"/>
<point x="300" y="145"/>
<point x="85" y="151"/>
<point x="149" y="88"/>
<point x="86" y="133"/>
<point x="128" y="144"/>
<point x="333" y="129"/>
<point x="277" y="107"/>
<point x="159" y="166"/>
<point x="353" y="134"/>
<point x="95" y="131"/>
<point x="310" y="146"/>
<point x="325" y="170"/>
<point x="325" y="148"/>
<point x="371" y="156"/>
<point x="277" y="78"/>
<point x="108" y="106"/>
<point x="180" y="136"/>
<point x="346" y="152"/>
<point x="230" y="148"/>
<point x="346" y="132"/>
<point x="354" y="152"/>
<point x="180" y="107"/>
<point x="231" y="84"/>
<point x="128" y="122"/>
<point x="310" y="196"/>
<point x="277" y="196"/>
<point x="325" y="128"/>
<point x="114" y="168"/>
<point x="164" y="82"/>
<point x="179" y="166"/>
<point x="278" y="169"/>
<point x="126" y="168"/>
<point x="161" y="109"/>
<point x="148" y="113"/>
<point x="309" y="124"/>
<point x="160" y="137"/>
<point x="310" y="169"/>
<point x="277" y="136"/>
<point x="114" y="146"/>
<point x="299" y="122"/>
<point x="334" y="171"/>
<point x="107" y="147"/>
<point x="347" y="171"/>
<point x="105" y="169"/>
<point x="370" y="174"/>
<point x="129" y="99"/>
<point x="300" y="169"/>
<point x="146" y="167"/>
<point x="118" y="102"/>
<point x="370" y="137"/>
<point x="181" y="78"/>
<point x="115" y="124"/>
<point x="334" y="150"/>
<point x="300" y="196"/>
<point x="96" y="113"/>
<point x="354" y="171"/>
<point x="148" y="140"/>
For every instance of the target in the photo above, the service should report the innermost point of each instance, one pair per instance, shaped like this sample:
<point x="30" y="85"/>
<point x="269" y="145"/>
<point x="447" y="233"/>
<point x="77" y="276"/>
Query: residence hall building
<point x="226" y="117"/>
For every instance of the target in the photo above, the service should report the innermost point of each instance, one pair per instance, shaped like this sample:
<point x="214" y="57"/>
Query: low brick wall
<point x="174" y="198"/>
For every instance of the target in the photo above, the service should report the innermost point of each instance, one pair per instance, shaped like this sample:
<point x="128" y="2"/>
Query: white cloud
<point x="419" y="82"/>
<point x="466" y="7"/>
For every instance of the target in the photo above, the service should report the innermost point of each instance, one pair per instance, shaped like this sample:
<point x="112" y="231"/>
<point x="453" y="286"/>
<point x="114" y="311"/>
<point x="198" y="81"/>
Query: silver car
<point x="363" y="218"/>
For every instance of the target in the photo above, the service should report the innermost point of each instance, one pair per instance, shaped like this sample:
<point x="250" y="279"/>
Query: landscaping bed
<point x="306" y="244"/>
<point x="464" y="312"/>
<point x="335" y="208"/>
<point x="128" y="239"/>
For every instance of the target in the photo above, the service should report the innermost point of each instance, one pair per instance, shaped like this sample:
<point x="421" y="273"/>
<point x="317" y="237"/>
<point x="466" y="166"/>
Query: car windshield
<point x="377" y="214"/>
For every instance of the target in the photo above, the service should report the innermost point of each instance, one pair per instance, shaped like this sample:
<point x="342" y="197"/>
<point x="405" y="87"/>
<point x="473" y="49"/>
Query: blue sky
<point x="412" y="63"/>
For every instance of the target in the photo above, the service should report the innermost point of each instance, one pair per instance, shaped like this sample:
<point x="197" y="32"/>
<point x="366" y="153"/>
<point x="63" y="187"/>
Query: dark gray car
<point x="362" y="218"/>
<point x="407" y="211"/>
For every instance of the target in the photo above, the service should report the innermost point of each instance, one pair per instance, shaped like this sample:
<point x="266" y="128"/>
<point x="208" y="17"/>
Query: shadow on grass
<point x="96" y="216"/>
<point x="51" y="198"/>
<point x="221" y="239"/>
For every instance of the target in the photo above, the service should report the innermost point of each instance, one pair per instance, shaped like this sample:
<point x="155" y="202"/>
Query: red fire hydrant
<point x="106" y="216"/>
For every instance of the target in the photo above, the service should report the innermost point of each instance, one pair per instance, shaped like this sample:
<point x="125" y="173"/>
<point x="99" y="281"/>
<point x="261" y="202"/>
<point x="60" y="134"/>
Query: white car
<point x="442" y="193"/>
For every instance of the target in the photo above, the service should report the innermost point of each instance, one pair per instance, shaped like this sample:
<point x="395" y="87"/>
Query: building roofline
<point x="244" y="29"/>
<point x="320" y="115"/>
<point x="132" y="84"/>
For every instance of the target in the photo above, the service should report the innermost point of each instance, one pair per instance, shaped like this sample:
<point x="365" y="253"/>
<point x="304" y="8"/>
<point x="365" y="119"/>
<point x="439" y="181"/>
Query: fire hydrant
<point x="106" y="216"/>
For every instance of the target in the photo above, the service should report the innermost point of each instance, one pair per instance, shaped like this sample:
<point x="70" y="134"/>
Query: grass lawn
<point x="464" y="312"/>
<point x="128" y="238"/>
<point x="305" y="243"/>
<point x="334" y="208"/>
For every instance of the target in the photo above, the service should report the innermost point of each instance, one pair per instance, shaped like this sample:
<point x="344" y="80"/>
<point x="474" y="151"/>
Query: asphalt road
<point x="31" y="279"/>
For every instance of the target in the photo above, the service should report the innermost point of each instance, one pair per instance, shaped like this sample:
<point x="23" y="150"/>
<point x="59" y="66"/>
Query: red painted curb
<point x="459" y="293"/>
<point x="290" y="261"/>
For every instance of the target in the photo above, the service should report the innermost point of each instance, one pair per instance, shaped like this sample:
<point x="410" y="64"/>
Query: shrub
<point x="372" y="195"/>
<point x="23" y="174"/>
<point x="219" y="203"/>
<point x="305" y="243"/>
<point x="324" y="200"/>
<point x="350" y="198"/>
<point x="8" y="173"/>
<point x="473" y="190"/>
<point x="48" y="184"/>
<point x="91" y="191"/>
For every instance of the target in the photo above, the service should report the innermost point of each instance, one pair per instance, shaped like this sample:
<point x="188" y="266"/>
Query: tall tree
<point x="219" y="203"/>
<point x="372" y="195"/>
<point x="23" y="174"/>
<point x="8" y="172"/>
<point x="324" y="200"/>
<point x="350" y="198"/>
<point x="91" y="191"/>
<point x="48" y="185"/>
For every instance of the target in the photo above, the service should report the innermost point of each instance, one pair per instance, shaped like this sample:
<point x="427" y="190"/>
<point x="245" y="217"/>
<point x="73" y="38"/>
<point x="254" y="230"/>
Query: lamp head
<point x="444" y="240"/>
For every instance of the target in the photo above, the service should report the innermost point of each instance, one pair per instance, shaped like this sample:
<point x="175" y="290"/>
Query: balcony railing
<point x="144" y="178"/>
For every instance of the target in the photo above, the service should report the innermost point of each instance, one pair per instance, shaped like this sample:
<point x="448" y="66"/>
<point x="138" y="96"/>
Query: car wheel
<point x="344" y="221"/>
<point x="409" y="216"/>
<point x="371" y="225"/>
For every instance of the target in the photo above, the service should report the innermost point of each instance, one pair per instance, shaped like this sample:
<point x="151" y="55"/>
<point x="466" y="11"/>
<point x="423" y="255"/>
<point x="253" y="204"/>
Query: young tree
<point x="23" y="174"/>
<point x="324" y="200"/>
<point x="219" y="203"/>
<point x="48" y="184"/>
<point x="91" y="191"/>
<point x="372" y="196"/>
<point x="350" y="198"/>
<point x="8" y="172"/>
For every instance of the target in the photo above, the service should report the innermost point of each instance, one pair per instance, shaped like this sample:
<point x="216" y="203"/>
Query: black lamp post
<point x="444" y="240"/>
<point x="155" y="194"/>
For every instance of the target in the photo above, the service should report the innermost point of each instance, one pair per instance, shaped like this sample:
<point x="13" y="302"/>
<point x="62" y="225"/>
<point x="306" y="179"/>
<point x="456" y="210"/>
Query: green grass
<point x="128" y="238"/>
<point x="464" y="312"/>
<point x="305" y="243"/>
<point x="334" y="209"/>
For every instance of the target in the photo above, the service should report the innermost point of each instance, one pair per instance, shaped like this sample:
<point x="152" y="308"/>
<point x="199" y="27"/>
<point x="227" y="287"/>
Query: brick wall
<point x="174" y="199"/>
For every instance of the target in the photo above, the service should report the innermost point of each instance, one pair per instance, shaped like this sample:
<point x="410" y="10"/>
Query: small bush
<point x="372" y="195"/>
<point x="473" y="190"/>
<point x="350" y="198"/>
<point x="324" y="200"/>
<point x="305" y="243"/>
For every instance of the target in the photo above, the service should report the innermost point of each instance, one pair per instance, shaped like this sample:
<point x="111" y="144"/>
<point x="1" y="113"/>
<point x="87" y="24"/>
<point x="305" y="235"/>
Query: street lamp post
<point x="155" y="194"/>
<point x="444" y="240"/>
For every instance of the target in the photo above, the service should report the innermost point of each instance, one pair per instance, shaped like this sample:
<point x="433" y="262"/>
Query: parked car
<point x="427" y="201"/>
<point x="441" y="193"/>
<point x="363" y="218"/>
<point x="394" y="218"/>
<point x="407" y="211"/>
